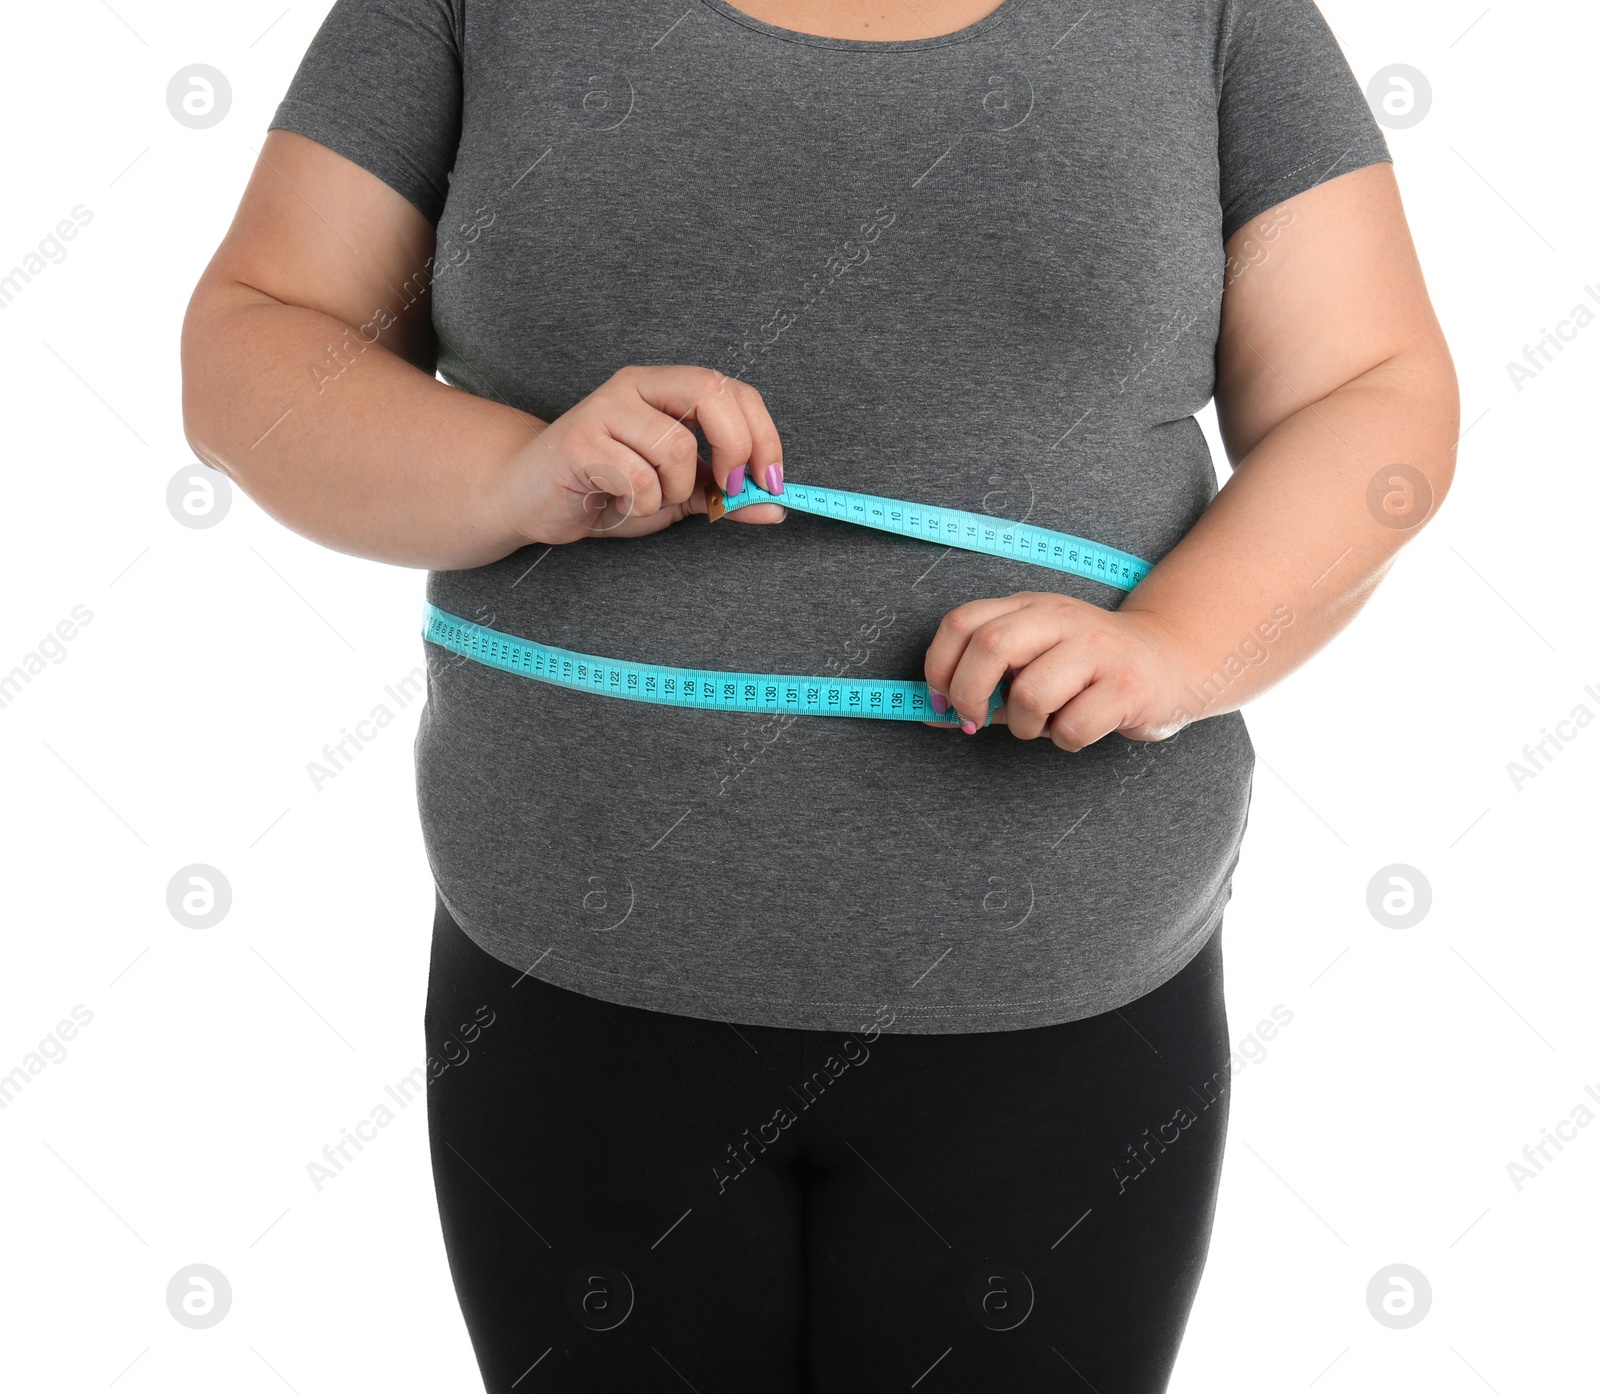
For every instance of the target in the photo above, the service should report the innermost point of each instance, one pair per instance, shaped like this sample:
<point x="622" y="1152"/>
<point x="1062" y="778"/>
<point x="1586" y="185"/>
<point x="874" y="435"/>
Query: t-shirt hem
<point x="332" y="130"/>
<point x="746" y="1009"/>
<point x="1262" y="198"/>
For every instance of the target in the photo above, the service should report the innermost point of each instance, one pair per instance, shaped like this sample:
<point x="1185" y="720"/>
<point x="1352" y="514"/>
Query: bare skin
<point x="882" y="22"/>
<point x="308" y="379"/>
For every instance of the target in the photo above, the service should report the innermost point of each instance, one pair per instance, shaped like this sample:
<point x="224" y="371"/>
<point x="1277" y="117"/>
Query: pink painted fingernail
<point x="941" y="703"/>
<point x="775" y="478"/>
<point x="735" y="481"/>
<point x="970" y="727"/>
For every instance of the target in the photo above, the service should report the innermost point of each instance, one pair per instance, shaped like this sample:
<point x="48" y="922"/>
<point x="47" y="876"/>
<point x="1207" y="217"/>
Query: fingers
<point x="1049" y="684"/>
<point x="1096" y="711"/>
<point x="974" y="647"/>
<point x="751" y="513"/>
<point x="623" y="493"/>
<point x="760" y="513"/>
<point x="766" y="450"/>
<point x="729" y="411"/>
<point x="667" y="452"/>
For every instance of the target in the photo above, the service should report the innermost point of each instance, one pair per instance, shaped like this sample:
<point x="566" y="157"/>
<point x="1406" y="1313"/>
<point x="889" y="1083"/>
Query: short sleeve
<point x="381" y="85"/>
<point x="1291" y="114"/>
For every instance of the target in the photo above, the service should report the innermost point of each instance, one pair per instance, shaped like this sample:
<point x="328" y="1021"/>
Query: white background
<point x="1378" y="1125"/>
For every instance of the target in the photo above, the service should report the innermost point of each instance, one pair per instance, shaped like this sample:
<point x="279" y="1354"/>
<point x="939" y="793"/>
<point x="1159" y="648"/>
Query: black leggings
<point x="635" y="1200"/>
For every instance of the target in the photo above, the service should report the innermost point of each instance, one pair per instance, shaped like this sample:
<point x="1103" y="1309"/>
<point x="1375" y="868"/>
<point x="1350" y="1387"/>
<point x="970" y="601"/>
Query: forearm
<point x="359" y="450"/>
<point x="1291" y="548"/>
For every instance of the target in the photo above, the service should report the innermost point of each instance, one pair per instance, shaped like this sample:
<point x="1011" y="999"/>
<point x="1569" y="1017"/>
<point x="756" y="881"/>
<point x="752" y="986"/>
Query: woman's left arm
<point x="1337" y="402"/>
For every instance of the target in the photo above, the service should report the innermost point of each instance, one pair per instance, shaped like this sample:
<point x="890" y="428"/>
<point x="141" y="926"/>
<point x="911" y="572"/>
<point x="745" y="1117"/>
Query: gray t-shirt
<point x="981" y="270"/>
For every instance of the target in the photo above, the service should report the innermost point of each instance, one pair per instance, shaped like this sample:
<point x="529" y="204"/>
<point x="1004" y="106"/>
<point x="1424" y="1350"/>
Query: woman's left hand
<point x="1077" y="672"/>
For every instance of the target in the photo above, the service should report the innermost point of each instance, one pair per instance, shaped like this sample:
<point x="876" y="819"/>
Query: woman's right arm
<point x="308" y="379"/>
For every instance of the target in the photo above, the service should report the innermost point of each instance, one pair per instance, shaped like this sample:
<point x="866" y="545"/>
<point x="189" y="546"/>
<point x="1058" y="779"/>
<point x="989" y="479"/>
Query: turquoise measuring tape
<point x="884" y="698"/>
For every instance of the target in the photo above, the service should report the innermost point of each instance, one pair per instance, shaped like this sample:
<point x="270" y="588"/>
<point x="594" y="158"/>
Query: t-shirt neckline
<point x="977" y="27"/>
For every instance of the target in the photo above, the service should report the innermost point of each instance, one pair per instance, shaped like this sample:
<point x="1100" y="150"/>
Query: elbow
<point x="201" y="386"/>
<point x="191" y="358"/>
<point x="1420" y="382"/>
<point x="1437" y="393"/>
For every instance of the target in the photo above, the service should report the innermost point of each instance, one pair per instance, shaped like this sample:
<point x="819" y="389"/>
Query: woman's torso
<point x="980" y="269"/>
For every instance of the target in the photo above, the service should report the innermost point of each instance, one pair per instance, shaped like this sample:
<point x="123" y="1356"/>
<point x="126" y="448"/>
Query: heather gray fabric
<point x="980" y="270"/>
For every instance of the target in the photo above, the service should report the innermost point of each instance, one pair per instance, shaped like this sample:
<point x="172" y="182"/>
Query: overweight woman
<point x="855" y="1021"/>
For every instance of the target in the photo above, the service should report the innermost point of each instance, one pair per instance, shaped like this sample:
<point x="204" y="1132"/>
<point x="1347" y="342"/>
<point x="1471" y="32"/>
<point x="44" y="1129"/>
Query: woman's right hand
<point x="625" y="460"/>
